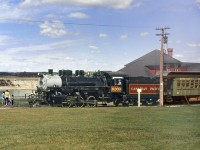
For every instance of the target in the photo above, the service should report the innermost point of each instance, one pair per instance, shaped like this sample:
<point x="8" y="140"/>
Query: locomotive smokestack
<point x="50" y="71"/>
<point x="170" y="52"/>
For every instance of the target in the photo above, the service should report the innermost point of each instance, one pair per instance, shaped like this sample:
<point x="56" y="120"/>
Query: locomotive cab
<point x="117" y="81"/>
<point x="117" y="84"/>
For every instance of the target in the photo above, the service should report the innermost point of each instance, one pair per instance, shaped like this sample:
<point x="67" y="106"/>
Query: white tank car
<point x="49" y="81"/>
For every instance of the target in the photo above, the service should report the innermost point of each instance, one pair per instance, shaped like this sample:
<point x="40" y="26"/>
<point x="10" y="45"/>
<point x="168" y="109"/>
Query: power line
<point x="78" y="24"/>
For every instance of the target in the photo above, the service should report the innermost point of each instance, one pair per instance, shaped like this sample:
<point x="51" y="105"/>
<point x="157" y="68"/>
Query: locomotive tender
<point x="102" y="87"/>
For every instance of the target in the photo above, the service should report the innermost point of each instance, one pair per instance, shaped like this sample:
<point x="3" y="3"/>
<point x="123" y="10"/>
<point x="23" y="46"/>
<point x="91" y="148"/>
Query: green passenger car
<point x="179" y="86"/>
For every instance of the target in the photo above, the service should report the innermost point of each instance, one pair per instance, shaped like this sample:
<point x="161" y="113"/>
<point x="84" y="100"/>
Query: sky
<point x="91" y="35"/>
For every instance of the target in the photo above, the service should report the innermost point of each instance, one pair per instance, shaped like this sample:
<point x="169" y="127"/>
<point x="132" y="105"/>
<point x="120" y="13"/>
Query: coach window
<point x="187" y="84"/>
<point x="178" y="84"/>
<point x="183" y="83"/>
<point x="196" y="84"/>
<point x="199" y="84"/>
<point x="192" y="84"/>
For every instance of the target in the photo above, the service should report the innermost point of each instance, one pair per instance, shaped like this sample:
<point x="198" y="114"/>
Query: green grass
<point x="111" y="128"/>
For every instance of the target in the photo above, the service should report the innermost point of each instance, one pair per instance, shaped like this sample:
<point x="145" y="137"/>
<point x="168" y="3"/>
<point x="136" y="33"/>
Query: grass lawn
<point x="102" y="128"/>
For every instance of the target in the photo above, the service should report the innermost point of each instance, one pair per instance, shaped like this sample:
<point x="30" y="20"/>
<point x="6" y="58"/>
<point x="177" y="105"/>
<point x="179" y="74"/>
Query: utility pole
<point x="163" y="35"/>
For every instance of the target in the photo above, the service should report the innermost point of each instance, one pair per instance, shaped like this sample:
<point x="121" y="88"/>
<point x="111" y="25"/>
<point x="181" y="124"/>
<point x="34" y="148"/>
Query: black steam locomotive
<point x="80" y="89"/>
<point x="91" y="89"/>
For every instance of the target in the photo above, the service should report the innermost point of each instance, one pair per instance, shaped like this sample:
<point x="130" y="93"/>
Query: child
<point x="12" y="99"/>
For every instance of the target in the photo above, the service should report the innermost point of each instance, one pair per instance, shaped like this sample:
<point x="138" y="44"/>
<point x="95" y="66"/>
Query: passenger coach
<point x="182" y="87"/>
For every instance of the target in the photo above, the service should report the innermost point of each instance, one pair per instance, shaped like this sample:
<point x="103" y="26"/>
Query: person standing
<point x="7" y="96"/>
<point x="12" y="99"/>
<point x="3" y="98"/>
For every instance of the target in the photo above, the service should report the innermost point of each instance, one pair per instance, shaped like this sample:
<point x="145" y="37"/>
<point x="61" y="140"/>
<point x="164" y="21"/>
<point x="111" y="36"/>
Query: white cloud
<point x="78" y="15"/>
<point x="53" y="29"/>
<point x="117" y="4"/>
<point x="39" y="57"/>
<point x="7" y="40"/>
<point x="53" y="16"/>
<point x="42" y="47"/>
<point x="124" y="37"/>
<point x="94" y="49"/>
<point x="193" y="45"/>
<point x="69" y="58"/>
<point x="103" y="35"/>
<point x="178" y="56"/>
<point x="144" y="34"/>
<point x="10" y="12"/>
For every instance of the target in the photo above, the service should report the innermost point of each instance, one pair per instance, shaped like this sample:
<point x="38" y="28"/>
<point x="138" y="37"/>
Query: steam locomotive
<point x="100" y="88"/>
<point x="80" y="89"/>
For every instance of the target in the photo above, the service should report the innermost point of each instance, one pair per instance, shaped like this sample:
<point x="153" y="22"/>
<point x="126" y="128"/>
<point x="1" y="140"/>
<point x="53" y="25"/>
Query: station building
<point x="149" y="65"/>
